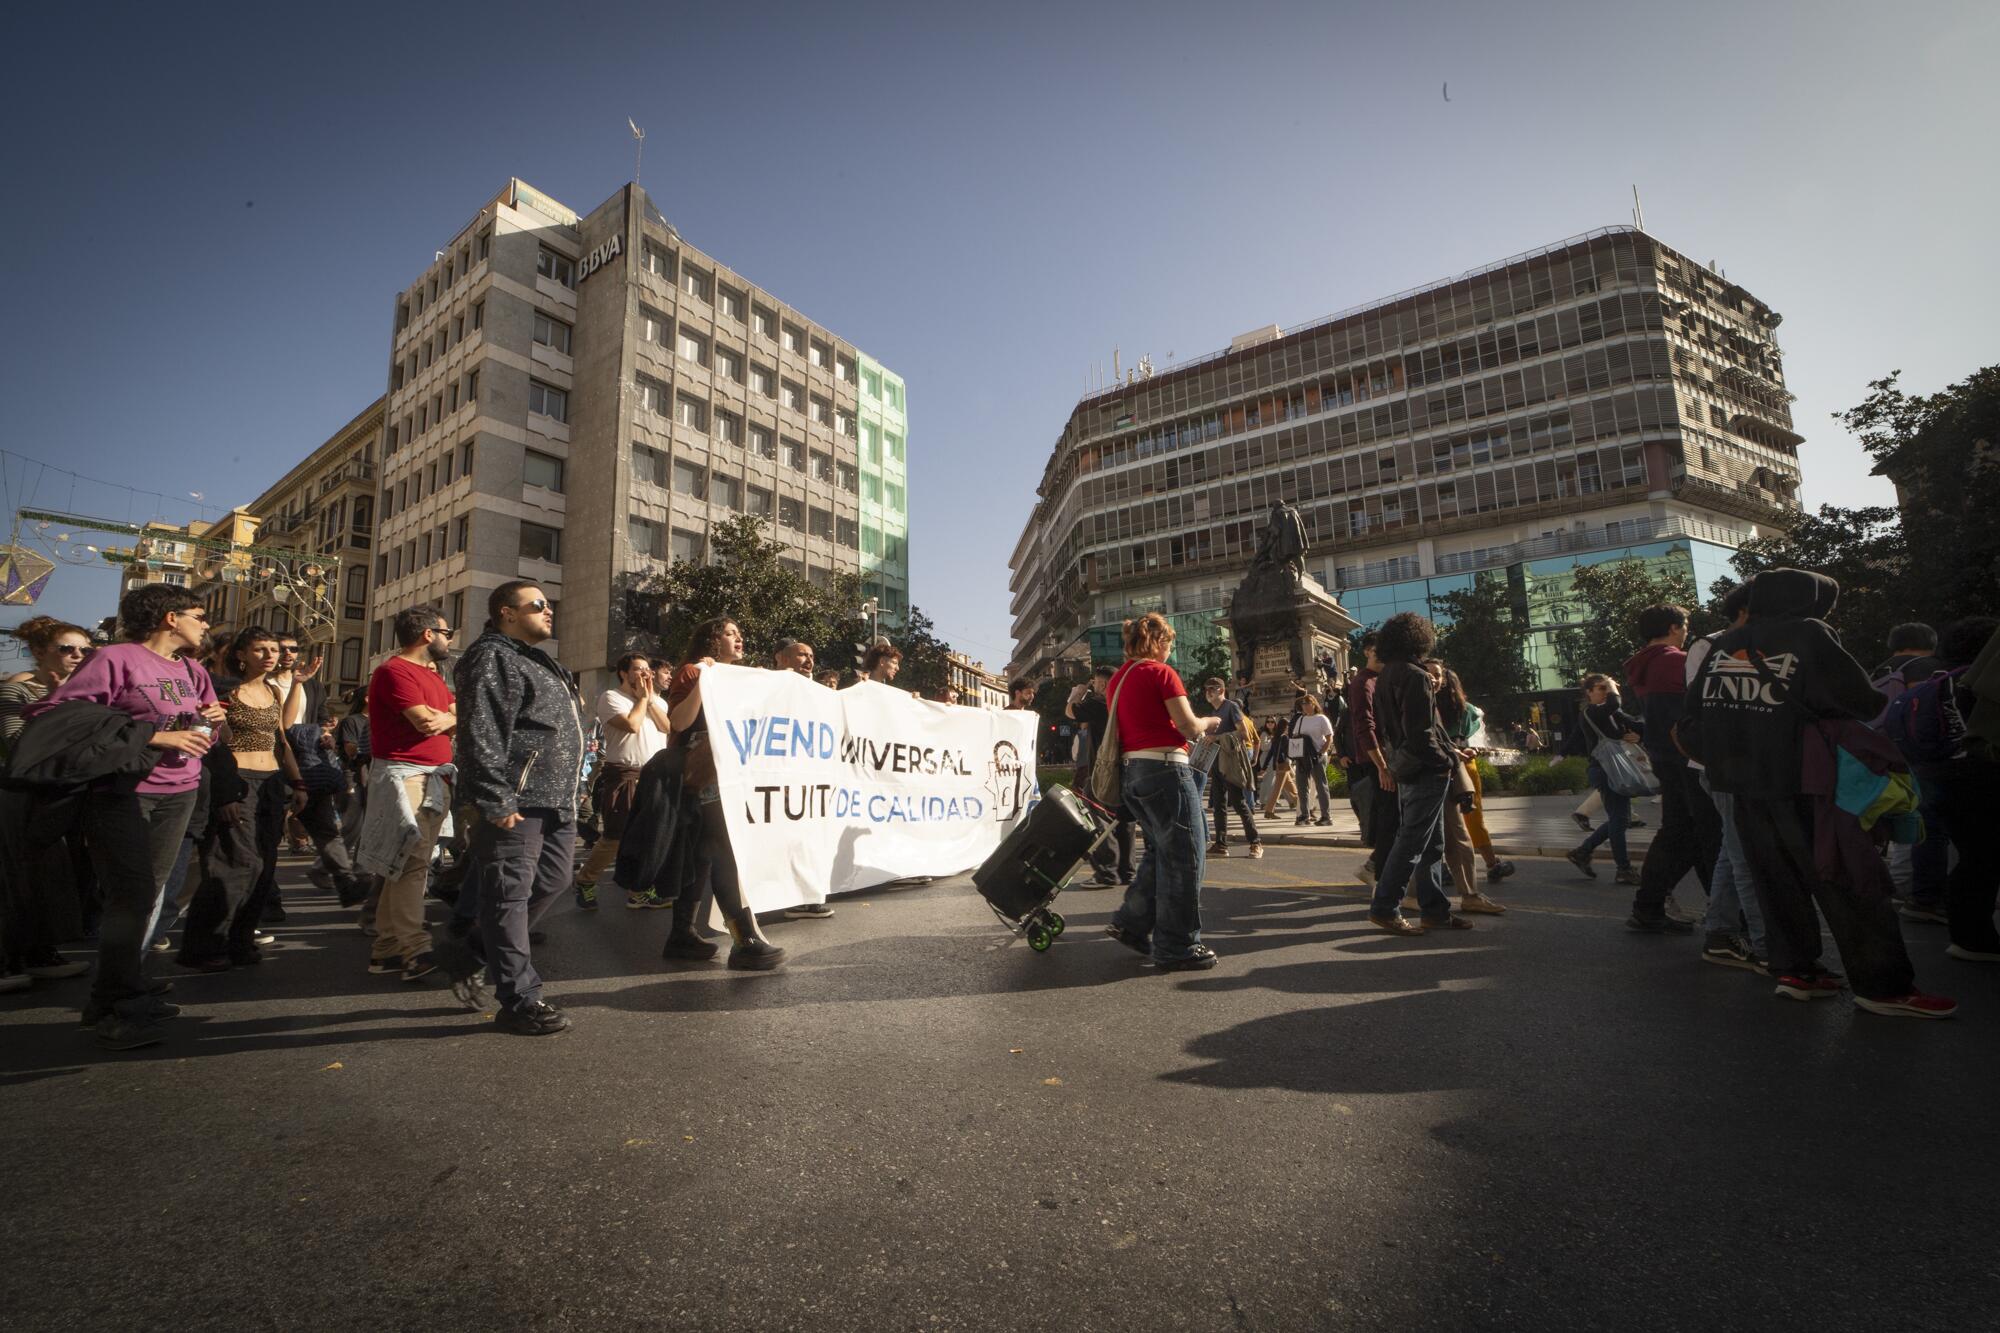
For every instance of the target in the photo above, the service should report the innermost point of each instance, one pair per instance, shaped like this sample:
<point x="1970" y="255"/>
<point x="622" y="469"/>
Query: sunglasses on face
<point x="533" y="606"/>
<point x="71" y="650"/>
<point x="445" y="630"/>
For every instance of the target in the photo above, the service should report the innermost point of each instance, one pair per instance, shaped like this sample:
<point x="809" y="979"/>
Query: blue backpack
<point x="1926" y="722"/>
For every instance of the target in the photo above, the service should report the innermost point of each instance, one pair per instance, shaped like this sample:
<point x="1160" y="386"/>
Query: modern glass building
<point x="885" y="489"/>
<point x="1539" y="589"/>
<point x="1600" y="396"/>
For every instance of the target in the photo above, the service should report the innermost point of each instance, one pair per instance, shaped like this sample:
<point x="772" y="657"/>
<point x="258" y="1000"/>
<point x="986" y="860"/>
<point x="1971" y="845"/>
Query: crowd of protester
<point x="150" y="784"/>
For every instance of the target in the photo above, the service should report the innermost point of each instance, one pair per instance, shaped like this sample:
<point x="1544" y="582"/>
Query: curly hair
<point x="41" y="632"/>
<point x="1147" y="635"/>
<point x="1405" y="637"/>
<point x="706" y="636"/>
<point x="141" y="611"/>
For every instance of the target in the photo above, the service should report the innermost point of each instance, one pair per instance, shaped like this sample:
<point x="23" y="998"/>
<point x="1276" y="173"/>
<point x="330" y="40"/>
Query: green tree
<point x="1485" y="642"/>
<point x="1609" y="597"/>
<point x="1206" y="657"/>
<point x="925" y="668"/>
<point x="1943" y="453"/>
<point x="747" y="582"/>
<point x="1863" y="550"/>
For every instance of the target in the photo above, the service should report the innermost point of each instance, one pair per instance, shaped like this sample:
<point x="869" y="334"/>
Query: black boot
<point x="751" y="952"/>
<point x="685" y="940"/>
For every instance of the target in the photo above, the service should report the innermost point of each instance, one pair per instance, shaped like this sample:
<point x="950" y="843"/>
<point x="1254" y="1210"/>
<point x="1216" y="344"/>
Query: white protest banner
<point x="826" y="791"/>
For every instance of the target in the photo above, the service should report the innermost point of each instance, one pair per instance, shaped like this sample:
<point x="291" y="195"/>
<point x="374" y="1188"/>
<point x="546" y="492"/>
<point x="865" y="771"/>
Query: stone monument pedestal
<point x="1282" y="623"/>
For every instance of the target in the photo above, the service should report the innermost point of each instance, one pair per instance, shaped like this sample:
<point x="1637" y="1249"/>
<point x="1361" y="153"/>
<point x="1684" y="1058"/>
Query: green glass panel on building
<point x="1192" y="629"/>
<point x="883" y="427"/>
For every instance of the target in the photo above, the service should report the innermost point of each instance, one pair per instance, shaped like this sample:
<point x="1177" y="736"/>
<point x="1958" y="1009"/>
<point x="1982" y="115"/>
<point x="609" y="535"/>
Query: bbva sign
<point x="599" y="257"/>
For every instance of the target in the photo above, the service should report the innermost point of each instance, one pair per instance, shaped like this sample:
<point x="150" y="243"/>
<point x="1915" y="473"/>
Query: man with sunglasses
<point x="520" y="760"/>
<point x="411" y="715"/>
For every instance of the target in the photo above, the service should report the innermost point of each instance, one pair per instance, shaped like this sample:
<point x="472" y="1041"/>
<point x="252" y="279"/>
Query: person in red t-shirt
<point x="411" y="715"/>
<point x="1161" y="914"/>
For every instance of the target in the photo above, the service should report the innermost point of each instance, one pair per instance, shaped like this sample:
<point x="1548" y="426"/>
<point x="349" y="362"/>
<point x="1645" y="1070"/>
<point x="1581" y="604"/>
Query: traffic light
<point x="861" y="657"/>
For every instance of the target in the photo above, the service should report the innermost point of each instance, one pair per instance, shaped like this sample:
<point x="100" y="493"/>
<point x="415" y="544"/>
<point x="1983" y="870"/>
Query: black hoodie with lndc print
<point x="1767" y="679"/>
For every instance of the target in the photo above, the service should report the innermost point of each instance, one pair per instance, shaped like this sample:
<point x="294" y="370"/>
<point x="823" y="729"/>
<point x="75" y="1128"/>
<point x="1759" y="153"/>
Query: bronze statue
<point x="1283" y="542"/>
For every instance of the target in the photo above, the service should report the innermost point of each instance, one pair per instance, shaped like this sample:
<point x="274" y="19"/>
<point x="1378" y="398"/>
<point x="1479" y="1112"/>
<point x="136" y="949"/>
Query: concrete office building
<point x="1599" y="398"/>
<point x="576" y="399"/>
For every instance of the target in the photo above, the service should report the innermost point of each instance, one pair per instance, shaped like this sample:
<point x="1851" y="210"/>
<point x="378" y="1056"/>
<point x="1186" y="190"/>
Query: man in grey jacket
<point x="520" y="762"/>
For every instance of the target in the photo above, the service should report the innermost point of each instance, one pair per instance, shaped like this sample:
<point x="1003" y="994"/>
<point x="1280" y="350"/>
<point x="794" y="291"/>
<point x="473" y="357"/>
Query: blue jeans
<point x="1617" y="813"/>
<point x="1163" y="901"/>
<point x="1418" y="851"/>
<point x="1731" y="890"/>
<point x="520" y="869"/>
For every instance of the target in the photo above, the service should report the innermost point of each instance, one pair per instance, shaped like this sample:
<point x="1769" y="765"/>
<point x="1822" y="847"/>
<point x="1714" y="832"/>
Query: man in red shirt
<point x="411" y="714"/>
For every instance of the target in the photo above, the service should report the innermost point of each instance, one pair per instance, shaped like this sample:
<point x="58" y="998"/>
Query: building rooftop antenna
<point x="1638" y="212"/>
<point x="639" y="153"/>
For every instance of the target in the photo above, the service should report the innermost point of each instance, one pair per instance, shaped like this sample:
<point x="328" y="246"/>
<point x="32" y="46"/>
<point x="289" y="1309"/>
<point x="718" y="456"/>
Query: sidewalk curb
<point x="1352" y="842"/>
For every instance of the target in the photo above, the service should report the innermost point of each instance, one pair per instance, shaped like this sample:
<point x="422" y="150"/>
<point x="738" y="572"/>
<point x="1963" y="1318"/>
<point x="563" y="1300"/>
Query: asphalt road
<point x="1547" y="1123"/>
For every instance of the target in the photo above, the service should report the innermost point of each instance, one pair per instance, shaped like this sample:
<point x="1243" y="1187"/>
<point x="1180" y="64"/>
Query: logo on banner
<point x="1005" y="780"/>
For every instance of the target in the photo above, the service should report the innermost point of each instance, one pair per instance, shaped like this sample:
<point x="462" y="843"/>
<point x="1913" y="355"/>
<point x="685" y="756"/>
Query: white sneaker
<point x="809" y="912"/>
<point x="1971" y="955"/>
<point x="14" y="981"/>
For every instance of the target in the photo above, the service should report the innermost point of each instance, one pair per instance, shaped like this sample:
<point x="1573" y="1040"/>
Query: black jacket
<point x="1609" y="720"/>
<point x="1406" y="717"/>
<point x="520" y="730"/>
<point x="78" y="744"/>
<point x="59" y="757"/>
<point x="1754" y="694"/>
<point x="661" y="830"/>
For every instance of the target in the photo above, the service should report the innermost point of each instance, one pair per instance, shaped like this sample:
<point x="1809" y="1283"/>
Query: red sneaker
<point x="1914" y="1005"/>
<point x="1812" y="986"/>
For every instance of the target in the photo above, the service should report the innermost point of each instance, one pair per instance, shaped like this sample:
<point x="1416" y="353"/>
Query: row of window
<point x="699" y="483"/>
<point x="1585" y="473"/>
<point x="873" y="437"/>
<point x="729" y="364"/>
<point x="423" y="550"/>
<point x="731" y="429"/>
<point x="1250" y="490"/>
<point x="442" y="404"/>
<point x="658" y="541"/>
<point x="433" y="348"/>
<point x="1495" y="348"/>
<point x="1441" y="313"/>
<point x="732" y="304"/>
<point x="424" y="481"/>
<point x="1416" y="415"/>
<point x="457" y="267"/>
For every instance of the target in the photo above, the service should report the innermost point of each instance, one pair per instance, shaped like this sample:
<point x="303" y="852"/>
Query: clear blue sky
<point x="212" y="206"/>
